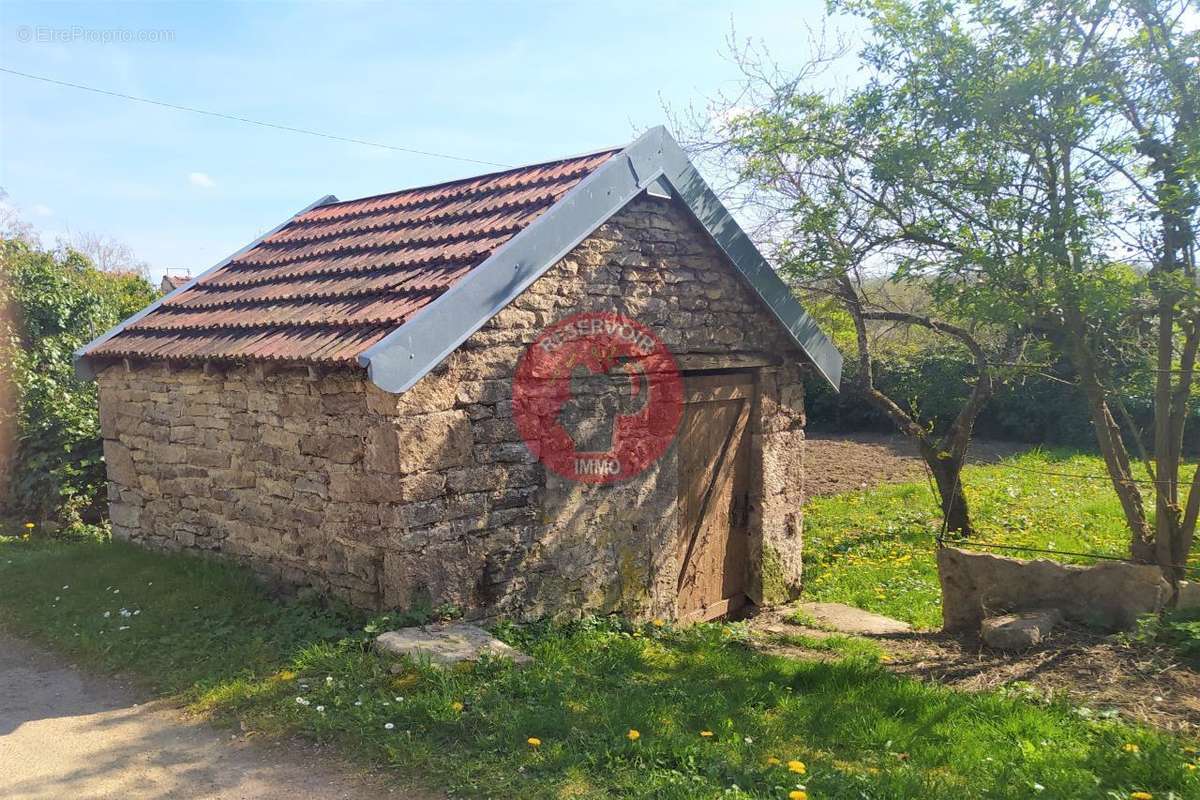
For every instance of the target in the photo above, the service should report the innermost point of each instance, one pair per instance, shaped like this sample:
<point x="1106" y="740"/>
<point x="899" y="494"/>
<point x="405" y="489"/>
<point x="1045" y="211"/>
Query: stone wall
<point x="319" y="477"/>
<point x="1110" y="595"/>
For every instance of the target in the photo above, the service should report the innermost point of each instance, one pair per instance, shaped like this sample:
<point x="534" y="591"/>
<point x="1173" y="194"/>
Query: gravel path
<point x="67" y="734"/>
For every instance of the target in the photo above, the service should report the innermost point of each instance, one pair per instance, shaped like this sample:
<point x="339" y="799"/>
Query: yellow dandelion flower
<point x="1130" y="747"/>
<point x="1141" y="796"/>
<point x="633" y="735"/>
<point x="456" y="705"/>
<point x="534" y="741"/>
<point x="772" y="761"/>
<point x="706" y="734"/>
<point x="797" y="794"/>
<point x="797" y="767"/>
<point x="658" y="623"/>
<point x="29" y="526"/>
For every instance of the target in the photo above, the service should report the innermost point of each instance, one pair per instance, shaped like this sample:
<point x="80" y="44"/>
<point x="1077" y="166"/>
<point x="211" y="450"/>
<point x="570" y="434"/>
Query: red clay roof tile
<point x="338" y="278"/>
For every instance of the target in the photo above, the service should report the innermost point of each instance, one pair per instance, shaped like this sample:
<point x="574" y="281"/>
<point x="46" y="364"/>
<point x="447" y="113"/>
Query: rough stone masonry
<point x="318" y="477"/>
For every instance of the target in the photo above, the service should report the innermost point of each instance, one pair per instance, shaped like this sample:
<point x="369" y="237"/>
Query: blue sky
<point x="507" y="82"/>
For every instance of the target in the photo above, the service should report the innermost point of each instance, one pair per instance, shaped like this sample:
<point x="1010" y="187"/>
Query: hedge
<point x="1029" y="407"/>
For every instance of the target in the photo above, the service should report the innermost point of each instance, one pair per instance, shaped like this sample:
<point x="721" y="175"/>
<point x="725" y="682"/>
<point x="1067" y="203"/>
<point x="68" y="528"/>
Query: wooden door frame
<point x="716" y="385"/>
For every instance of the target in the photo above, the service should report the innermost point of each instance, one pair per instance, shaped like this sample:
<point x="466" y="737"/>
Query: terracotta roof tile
<point x="338" y="278"/>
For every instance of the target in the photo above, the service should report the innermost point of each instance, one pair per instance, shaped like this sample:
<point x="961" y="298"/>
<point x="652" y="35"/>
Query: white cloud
<point x="202" y="180"/>
<point x="42" y="210"/>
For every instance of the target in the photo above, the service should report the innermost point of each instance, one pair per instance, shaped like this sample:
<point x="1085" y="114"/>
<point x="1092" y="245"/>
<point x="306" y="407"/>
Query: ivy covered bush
<point x="53" y="302"/>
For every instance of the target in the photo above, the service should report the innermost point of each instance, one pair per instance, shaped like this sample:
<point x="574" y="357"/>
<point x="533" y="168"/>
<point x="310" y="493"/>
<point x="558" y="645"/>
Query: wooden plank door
<point x="714" y="483"/>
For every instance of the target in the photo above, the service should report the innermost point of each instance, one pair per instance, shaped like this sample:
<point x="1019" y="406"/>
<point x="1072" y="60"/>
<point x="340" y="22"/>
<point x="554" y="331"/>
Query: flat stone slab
<point x="848" y="619"/>
<point x="1189" y="595"/>
<point x="1019" y="631"/>
<point x="446" y="643"/>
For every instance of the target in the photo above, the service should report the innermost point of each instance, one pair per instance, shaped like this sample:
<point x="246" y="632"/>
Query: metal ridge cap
<point x="440" y="327"/>
<point x="480" y="176"/>
<point x="741" y="251"/>
<point x="407" y="354"/>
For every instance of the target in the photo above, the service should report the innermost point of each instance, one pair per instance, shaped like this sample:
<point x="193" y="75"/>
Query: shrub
<point x="57" y="302"/>
<point x="1041" y="407"/>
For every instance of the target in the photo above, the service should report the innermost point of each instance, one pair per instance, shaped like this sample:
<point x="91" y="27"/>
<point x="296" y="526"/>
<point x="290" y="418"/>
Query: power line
<point x="260" y="123"/>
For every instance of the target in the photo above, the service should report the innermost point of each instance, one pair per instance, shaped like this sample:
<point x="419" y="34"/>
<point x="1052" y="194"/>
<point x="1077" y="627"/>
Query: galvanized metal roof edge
<point x="712" y="215"/>
<point x="407" y="354"/>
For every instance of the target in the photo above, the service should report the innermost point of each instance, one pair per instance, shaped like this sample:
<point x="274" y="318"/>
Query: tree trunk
<point x="1110" y="440"/>
<point x="947" y="476"/>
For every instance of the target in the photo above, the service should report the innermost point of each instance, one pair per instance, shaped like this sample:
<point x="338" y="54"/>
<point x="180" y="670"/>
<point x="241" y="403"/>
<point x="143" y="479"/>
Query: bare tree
<point x="107" y="253"/>
<point x="12" y="224"/>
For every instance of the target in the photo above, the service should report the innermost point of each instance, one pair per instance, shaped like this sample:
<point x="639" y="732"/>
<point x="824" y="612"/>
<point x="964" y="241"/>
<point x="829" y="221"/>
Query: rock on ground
<point x="1189" y="595"/>
<point x="1019" y="631"/>
<point x="447" y="643"/>
<point x="848" y="619"/>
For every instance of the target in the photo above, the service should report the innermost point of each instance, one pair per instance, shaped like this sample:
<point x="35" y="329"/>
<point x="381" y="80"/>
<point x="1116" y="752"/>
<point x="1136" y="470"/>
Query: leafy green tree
<point x="1059" y="143"/>
<point x="1156" y="89"/>
<point x="1035" y="164"/>
<point x="57" y="301"/>
<point x="830" y="180"/>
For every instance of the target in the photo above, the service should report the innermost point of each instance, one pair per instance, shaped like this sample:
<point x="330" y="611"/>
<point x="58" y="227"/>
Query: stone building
<point x="341" y="404"/>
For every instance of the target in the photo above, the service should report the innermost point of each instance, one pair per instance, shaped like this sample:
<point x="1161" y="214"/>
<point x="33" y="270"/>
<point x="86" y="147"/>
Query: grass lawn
<point x="875" y="549"/>
<point x="714" y="717"/>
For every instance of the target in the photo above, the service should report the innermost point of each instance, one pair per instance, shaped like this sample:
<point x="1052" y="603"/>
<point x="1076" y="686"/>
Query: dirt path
<point x="66" y="734"/>
<point x="845" y="462"/>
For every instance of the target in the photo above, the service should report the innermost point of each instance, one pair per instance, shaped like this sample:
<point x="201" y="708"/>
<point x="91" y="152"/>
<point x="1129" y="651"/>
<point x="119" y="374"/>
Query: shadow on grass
<point x="211" y="634"/>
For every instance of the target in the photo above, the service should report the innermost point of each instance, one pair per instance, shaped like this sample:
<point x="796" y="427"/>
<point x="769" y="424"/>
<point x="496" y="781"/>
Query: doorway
<point x="714" y="494"/>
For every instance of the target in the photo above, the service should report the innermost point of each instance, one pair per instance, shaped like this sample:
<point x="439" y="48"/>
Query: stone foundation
<point x="317" y="477"/>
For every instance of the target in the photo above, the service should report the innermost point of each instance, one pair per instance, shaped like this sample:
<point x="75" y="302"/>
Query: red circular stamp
<point x="597" y="397"/>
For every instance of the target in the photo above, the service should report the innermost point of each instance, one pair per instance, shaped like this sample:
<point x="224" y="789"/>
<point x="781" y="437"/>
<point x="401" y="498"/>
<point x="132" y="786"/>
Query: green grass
<point x="837" y="644"/>
<point x="209" y="635"/>
<point x="875" y="549"/>
<point x="1179" y="630"/>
